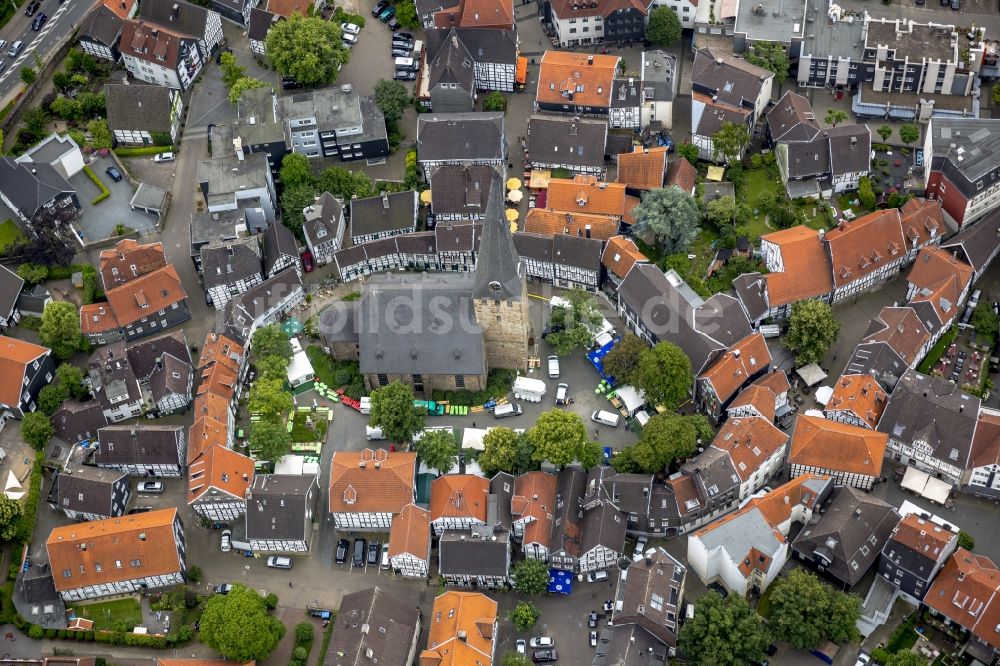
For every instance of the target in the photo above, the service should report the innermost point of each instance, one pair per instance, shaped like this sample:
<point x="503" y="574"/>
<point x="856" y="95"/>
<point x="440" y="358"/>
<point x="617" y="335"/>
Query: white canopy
<point x="823" y="395"/>
<point x="925" y="485"/>
<point x="632" y="398"/>
<point x="13" y="488"/>
<point x="811" y="374"/>
<point x="472" y="438"/>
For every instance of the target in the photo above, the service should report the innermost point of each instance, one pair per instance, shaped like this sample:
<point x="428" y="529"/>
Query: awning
<point x="823" y="395"/>
<point x="715" y="174"/>
<point x="514" y="183"/>
<point x="632" y="398"/>
<point x="811" y="374"/>
<point x="515" y="196"/>
<point x="522" y="70"/>
<point x="925" y="485"/>
<point x="560" y="582"/>
<point x="937" y="490"/>
<point x="914" y="480"/>
<point x="511" y="214"/>
<point x="540" y="179"/>
<point x="425" y="196"/>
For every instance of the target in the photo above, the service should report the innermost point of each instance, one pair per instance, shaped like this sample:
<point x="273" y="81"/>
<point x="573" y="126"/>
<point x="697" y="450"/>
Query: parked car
<point x="393" y="24"/>
<point x="348" y="38"/>
<point x="562" y="394"/>
<point x="15" y="48"/>
<point x="592" y="619"/>
<point x="227" y="540"/>
<point x="150" y="486"/>
<point x="595" y="576"/>
<point x="503" y="411"/>
<point x="386" y="14"/>
<point x="307" y="261"/>
<point x="385" y="556"/>
<point x="401" y="53"/>
<point x="278" y="562"/>
<point x="403" y="35"/>
<point x="39" y="21"/>
<point x="163" y="157"/>
<point x="544" y="656"/>
<point x="400" y="75"/>
<point x="225" y="588"/>
<point x="350" y="28"/>
<point x="553" y="367"/>
<point x="542" y="642"/>
<point x="289" y="83"/>
<point x="863" y="660"/>
<point x="341" y="555"/>
<point x="3" y="44"/>
<point x="374" y="550"/>
<point x="379" y="7"/>
<point x="521" y="646"/>
<point x="358" y="558"/>
<point x="114" y="173"/>
<point x="32" y="8"/>
<point x="593" y="639"/>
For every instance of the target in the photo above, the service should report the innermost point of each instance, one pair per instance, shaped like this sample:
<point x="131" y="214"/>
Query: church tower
<point x="500" y="295"/>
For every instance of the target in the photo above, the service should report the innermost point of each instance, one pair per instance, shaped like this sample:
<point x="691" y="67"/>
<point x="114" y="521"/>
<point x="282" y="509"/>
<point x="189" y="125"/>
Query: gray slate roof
<point x="228" y="263"/>
<point x="278" y="242"/>
<point x="144" y="354"/>
<point x="499" y="275"/>
<point x="560" y="140"/>
<point x="460" y="190"/>
<point x="392" y="629"/>
<point x="171" y="378"/>
<point x="260" y="23"/>
<point x="254" y="302"/>
<point x="567" y="515"/>
<point x="78" y="421"/>
<point x="279" y="506"/>
<point x="603" y="525"/>
<point x="736" y="82"/>
<point x="101" y="25"/>
<point x="625" y="93"/>
<point x="751" y="289"/>
<point x="560" y="249"/>
<point x="138" y="107"/>
<point x="659" y="75"/>
<point x="389" y="212"/>
<point x="30" y="191"/>
<point x="486" y="45"/>
<point x="460" y="554"/>
<point x="322" y="219"/>
<point x="10" y="289"/>
<point x="87" y="489"/>
<point x="453" y="65"/>
<point x="658" y="574"/>
<point x="629" y="645"/>
<point x="792" y="119"/>
<point x="850" y="148"/>
<point x="977" y="244"/>
<point x="187" y="19"/>
<point x="460" y="137"/>
<point x="139" y="444"/>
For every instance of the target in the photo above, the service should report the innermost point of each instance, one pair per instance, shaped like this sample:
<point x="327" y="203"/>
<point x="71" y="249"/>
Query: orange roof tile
<point x="630" y="204"/>
<point x="837" y="447"/>
<point x="934" y="265"/>
<point x="921" y="220"/>
<point x="806" y="266"/>
<point x="776" y="381"/>
<point x="535" y="496"/>
<point x="459" y="496"/>
<point x="986" y="440"/>
<point x="643" y="169"/>
<point x="901" y="329"/>
<point x="731" y="370"/>
<point x="205" y="433"/>
<point x="587" y="78"/>
<point x="922" y="536"/>
<point x="97" y="318"/>
<point x="218" y="379"/>
<point x="469" y="612"/>
<point x="212" y="405"/>
<point x="586" y="194"/>
<point x="411" y="532"/>
<point x="859" y="395"/>
<point x="620" y="255"/>
<point x="128" y="260"/>
<point x="966" y="586"/>
<point x="145" y="295"/>
<point x="862" y="246"/>
<point x="552" y="222"/>
<point x="15" y="355"/>
<point x="497" y="14"/>
<point x="682" y="174"/>
<point x="221" y="469"/>
<point x="685" y="491"/>
<point x="776" y="506"/>
<point x="220" y="349"/>
<point x="113" y="550"/>
<point x="287" y="7"/>
<point x="756" y="559"/>
<point x="370" y="481"/>
<point x="123" y="8"/>
<point x="749" y="441"/>
<point x="760" y="398"/>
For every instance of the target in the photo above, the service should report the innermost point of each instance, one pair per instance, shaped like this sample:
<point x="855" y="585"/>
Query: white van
<point x="510" y="409"/>
<point x="406" y="63"/>
<point x="278" y="562"/>
<point x="418" y="48"/>
<point x="365" y="406"/>
<point x="597" y="576"/>
<point x="553" y="367"/>
<point x="526" y="388"/>
<point x="373" y="433"/>
<point x="605" y="418"/>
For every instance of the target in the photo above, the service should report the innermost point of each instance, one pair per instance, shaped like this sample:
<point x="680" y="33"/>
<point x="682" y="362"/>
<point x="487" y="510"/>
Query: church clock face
<point x="495" y="287"/>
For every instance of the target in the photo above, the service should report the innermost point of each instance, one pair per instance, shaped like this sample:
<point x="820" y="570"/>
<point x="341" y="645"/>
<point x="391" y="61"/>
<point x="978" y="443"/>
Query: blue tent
<point x="560" y="582"/>
<point x="596" y="358"/>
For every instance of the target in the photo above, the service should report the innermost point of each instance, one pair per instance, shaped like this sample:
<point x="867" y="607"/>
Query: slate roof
<point x="278" y="242"/>
<point x="751" y="289"/>
<point x="260" y="23"/>
<point x="499" y="274"/>
<point x="560" y="250"/>
<point x="571" y="141"/>
<point x="322" y="219"/>
<point x="461" y="554"/>
<point x="792" y="119"/>
<point x="603" y="525"/>
<point x="460" y="137"/>
<point x="76" y="421"/>
<point x="140" y="445"/>
<point x="369" y="489"/>
<point x="643" y="168"/>
<point x="138" y="107"/>
<point x="390" y="212"/>
<point x="833" y="446"/>
<point x="977" y="243"/>
<point x="975" y="140"/>
<point x="567" y="515"/>
<point x="452" y="65"/>
<point x="849" y="535"/>
<point x="186" y="19"/>
<point x="170" y="378"/>
<point x="393" y="628"/>
<point x="101" y="25"/>
<point x="460" y="190"/>
<point x="629" y="645"/>
<point x="10" y="289"/>
<point x="30" y="186"/>
<point x="229" y="263"/>
<point x="734" y="81"/>
<point x="256" y="301"/>
<point x="485" y="45"/>
<point x="87" y="490"/>
<point x="658" y="575"/>
<point x="944" y="420"/>
<point x="850" y="148"/>
<point x="279" y="507"/>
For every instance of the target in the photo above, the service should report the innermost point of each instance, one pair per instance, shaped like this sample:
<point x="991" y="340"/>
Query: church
<point x="440" y="330"/>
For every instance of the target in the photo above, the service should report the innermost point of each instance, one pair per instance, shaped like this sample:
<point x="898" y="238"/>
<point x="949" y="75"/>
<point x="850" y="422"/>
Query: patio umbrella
<point x="513" y="227"/>
<point x="515" y="196"/>
<point x="513" y="183"/>
<point x="425" y="196"/>
<point x="512" y="214"/>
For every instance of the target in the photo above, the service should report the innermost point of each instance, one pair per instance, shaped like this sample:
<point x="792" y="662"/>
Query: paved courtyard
<point x="98" y="222"/>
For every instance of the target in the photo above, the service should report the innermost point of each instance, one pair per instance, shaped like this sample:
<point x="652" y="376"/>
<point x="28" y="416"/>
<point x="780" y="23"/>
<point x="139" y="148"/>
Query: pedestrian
<point x="289" y="583"/>
<point x="473" y="424"/>
<point x="596" y="433"/>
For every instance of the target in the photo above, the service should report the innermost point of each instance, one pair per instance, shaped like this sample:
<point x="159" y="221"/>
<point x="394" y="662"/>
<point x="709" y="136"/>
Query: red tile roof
<point x="860" y="396"/>
<point x="967" y="591"/>
<point x="221" y="469"/>
<point x="287" y="7"/>
<point x="472" y="614"/>
<point x="763" y="394"/>
<point x="921" y="220"/>
<point x="682" y="174"/>
<point x="411" y="532"/>
<point x="986" y="441"/>
<point x="552" y="222"/>
<point x="128" y="260"/>
<point x="806" y="271"/>
<point x="643" y="168"/>
<point x="901" y="329"/>
<point x="370" y="481"/>
<point x="731" y="370"/>
<point x="586" y="194"/>
<point x="205" y="433"/>
<point x="141" y="297"/>
<point x="459" y="496"/>
<point x="588" y="78"/>
<point x="837" y="447"/>
<point x="15" y="355"/>
<point x="923" y="536"/>
<point x="123" y="8"/>
<point x="477" y="14"/>
<point x="535" y="496"/>
<point x="620" y="255"/>
<point x="864" y="245"/>
<point x="749" y="441"/>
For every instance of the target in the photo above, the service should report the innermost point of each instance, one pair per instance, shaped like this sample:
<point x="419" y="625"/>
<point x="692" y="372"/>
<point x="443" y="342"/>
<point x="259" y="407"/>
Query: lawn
<point x="301" y="432"/>
<point x="336" y="374"/>
<point x="761" y="185"/>
<point x="109" y="613"/>
<point x="10" y="235"/>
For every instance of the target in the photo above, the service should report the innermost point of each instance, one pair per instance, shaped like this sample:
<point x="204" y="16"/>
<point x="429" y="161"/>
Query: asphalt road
<point x="63" y="19"/>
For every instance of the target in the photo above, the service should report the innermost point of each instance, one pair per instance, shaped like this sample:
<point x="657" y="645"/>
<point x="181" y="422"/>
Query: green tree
<point x="866" y="195"/>
<point x="394" y="413"/>
<point x="664" y="375"/>
<point x="270" y="440"/>
<point x="561" y="437"/>
<point x="93" y="105"/>
<point x="885" y="132"/>
<point x="66" y="108"/>
<point x="293" y="201"/>
<point x="500" y="449"/>
<point x="665" y="438"/>
<point x="669" y="214"/>
<point x="272" y="367"/>
<point x="906" y="658"/>
<point x="725" y="213"/>
<point x="238" y="626"/>
<point x="909" y="133"/>
<point x="664" y="28"/>
<point x="807" y="612"/>
<point x="231" y="70"/>
<point x="393" y="98"/>
<point x="729" y="142"/>
<point x="516" y="659"/>
<point x="530" y="577"/>
<point x="35" y="119"/>
<point x="71" y="377"/>
<point x="243" y="84"/>
<point x="986" y="322"/>
<point x="269" y="398"/>
<point x="36" y="429"/>
<point x="28" y="75"/>
<point x="495" y="101"/>
<point x="345" y="183"/>
<point x="10" y="512"/>
<point x="33" y="273"/>
<point x="577" y="322"/>
<point x="51" y="397"/>
<point x="966" y="540"/>
<point x="100" y="135"/>
<point x="304" y="633"/>
<point x="622" y="361"/>
<point x="270" y="340"/>
<point x="688" y="151"/>
<point x="812" y="329"/>
<point x="60" y="329"/>
<point x="308" y="49"/>
<point x="996" y="94"/>
<point x="524" y="616"/>
<point x="834" y="117"/>
<point x="296" y="171"/>
<point x="438" y="449"/>
<point x="61" y="80"/>
<point x="770" y="56"/>
<point x="406" y="14"/>
<point x="724" y="632"/>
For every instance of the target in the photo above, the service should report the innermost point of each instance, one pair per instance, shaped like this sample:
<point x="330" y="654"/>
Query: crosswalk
<point x="29" y="50"/>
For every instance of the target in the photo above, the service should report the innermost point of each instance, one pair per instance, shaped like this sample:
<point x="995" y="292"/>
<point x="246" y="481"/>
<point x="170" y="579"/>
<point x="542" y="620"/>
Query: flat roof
<point x="149" y="196"/>
<point x="867" y="95"/>
<point x="772" y="21"/>
<point x="915" y="41"/>
<point x="839" y="39"/>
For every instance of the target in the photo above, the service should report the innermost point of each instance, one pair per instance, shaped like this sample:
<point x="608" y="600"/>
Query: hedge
<point x="105" y="192"/>
<point x="143" y="150"/>
<point x="26" y="521"/>
<point x="183" y="635"/>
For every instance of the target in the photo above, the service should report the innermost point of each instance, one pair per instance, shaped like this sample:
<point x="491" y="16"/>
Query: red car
<point x="307" y="262"/>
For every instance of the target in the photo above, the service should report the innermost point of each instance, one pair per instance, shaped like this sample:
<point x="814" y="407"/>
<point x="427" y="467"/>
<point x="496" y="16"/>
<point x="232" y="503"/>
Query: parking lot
<point x="98" y="222"/>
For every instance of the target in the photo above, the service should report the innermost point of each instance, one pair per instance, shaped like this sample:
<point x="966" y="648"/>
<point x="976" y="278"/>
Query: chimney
<point x="462" y="635"/>
<point x="590" y="60"/>
<point x="854" y="140"/>
<point x="385" y="201"/>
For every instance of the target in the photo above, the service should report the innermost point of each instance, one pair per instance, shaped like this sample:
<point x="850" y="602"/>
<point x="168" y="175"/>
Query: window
<point x="459" y="381"/>
<point x="383" y="379"/>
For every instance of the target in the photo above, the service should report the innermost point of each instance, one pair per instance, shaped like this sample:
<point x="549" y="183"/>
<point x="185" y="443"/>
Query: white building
<point x="58" y="151"/>
<point x="324" y="227"/>
<point x="159" y="56"/>
<point x="231" y="182"/>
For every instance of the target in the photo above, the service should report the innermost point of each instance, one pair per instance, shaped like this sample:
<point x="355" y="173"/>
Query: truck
<point x="531" y="390"/>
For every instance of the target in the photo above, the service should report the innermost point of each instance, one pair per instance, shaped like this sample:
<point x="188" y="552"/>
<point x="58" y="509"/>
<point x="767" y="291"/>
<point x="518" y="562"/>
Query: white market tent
<point x="823" y="395"/>
<point x="13" y="488"/>
<point x="632" y="398"/>
<point x="925" y="485"/>
<point x="300" y="370"/>
<point x="472" y="438"/>
<point x="811" y="374"/>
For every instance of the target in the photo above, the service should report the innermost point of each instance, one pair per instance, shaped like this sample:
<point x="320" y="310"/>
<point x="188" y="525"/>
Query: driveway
<point x="98" y="222"/>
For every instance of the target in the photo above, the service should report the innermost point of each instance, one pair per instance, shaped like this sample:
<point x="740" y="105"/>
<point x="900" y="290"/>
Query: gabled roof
<point x="90" y="490"/>
<point x="370" y="481"/>
<point x="285" y="8"/>
<point x="643" y="168"/>
<point x="390" y="212"/>
<point x="587" y="195"/>
<point x="459" y="496"/>
<point x="134" y="300"/>
<point x="859" y="395"/>
<point x="604" y="526"/>
<point x="452" y="65"/>
<point x="278" y="242"/>
<point x="76" y="421"/>
<point x="31" y="186"/>
<point x="576" y="78"/>
<point x="922" y="536"/>
<point x="260" y="23"/>
<point x="850" y="148"/>
<point x="484" y="45"/>
<point x="734" y="81"/>
<point x="10" y="289"/>
<point x="569" y="250"/>
<point x="280" y="506"/>
<point x="473" y="553"/>
<point x="322" y="219"/>
<point x="901" y="329"/>
<point x="206" y="432"/>
<point x="15" y="356"/>
<point x="136" y="107"/>
<point x="837" y="447"/>
<point x="977" y="243"/>
<point x="620" y="254"/>
<point x="460" y="190"/>
<point x="477" y="14"/>
<point x="682" y="174"/>
<point x="806" y="265"/>
<point x="411" y="533"/>
<point x="734" y="367"/>
<point x="140" y="445"/>
<point x="178" y="15"/>
<point x="555" y="222"/>
<point x="749" y="441"/>
<point x="567" y="525"/>
<point x="128" y="260"/>
<point x="986" y="441"/>
<point x="568" y="9"/>
<point x="864" y="245"/>
<point x="967" y="591"/>
<point x="231" y="262"/>
<point x="153" y="43"/>
<point x="117" y="549"/>
<point x="577" y="142"/>
<point x="101" y="25"/>
<point x="458" y="137"/>
<point x="376" y="623"/>
<point x="222" y="469"/>
<point x="792" y="119"/>
<point x="535" y="497"/>
<point x="922" y="220"/>
<point x="469" y="613"/>
<point x="220" y="349"/>
<point x="650" y="594"/>
<point x="940" y="279"/>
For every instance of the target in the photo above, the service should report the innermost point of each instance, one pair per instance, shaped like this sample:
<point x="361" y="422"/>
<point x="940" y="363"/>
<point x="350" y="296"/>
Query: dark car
<point x="307" y="261"/>
<point x="386" y="14"/>
<point x="401" y="53"/>
<point x="114" y="173"/>
<point x="403" y="35"/>
<point x="358" y="557"/>
<point x="401" y="75"/>
<point x="379" y="6"/>
<point x="342" y="547"/>
<point x="225" y="588"/>
<point x="374" y="551"/>
<point x="544" y="656"/>
<point x="39" y="21"/>
<point x="289" y="83"/>
<point x="32" y="8"/>
<point x="393" y="24"/>
<point x="402" y="43"/>
<point x="592" y="619"/>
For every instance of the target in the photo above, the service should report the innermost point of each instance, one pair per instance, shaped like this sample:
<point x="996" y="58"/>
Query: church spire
<point x="498" y="267"/>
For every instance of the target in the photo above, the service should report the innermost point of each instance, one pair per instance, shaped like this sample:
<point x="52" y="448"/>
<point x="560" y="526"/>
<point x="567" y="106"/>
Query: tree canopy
<point x="10" y="511"/>
<point x="728" y="143"/>
<point x="834" y="117"/>
<point x="807" y="613"/>
<point x="771" y="56"/>
<point x="669" y="214"/>
<point x="238" y="626"/>
<point x="664" y="375"/>
<point x="664" y="28"/>
<point x="393" y="98"/>
<point x="308" y="49"/>
<point x="909" y="133"/>
<point x="573" y="325"/>
<point x="270" y="440"/>
<point x="524" y="616"/>
<point x="561" y="437"/>
<point x="906" y="658"/>
<point x="60" y="329"/>
<point x="270" y="340"/>
<point x="724" y="632"/>
<point x="36" y="429"/>
<point x="530" y="576"/>
<point x="500" y="451"/>
<point x="269" y="398"/>
<point x="71" y="377"/>
<point x="243" y="84"/>
<point x="438" y="449"/>
<point x="812" y="329"/>
<point x="667" y="437"/>
<point x="622" y="362"/>
<point x="688" y="151"/>
<point x="394" y="413"/>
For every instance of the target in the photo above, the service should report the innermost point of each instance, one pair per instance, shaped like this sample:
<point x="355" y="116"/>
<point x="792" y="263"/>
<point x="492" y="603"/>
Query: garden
<point x="114" y="615"/>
